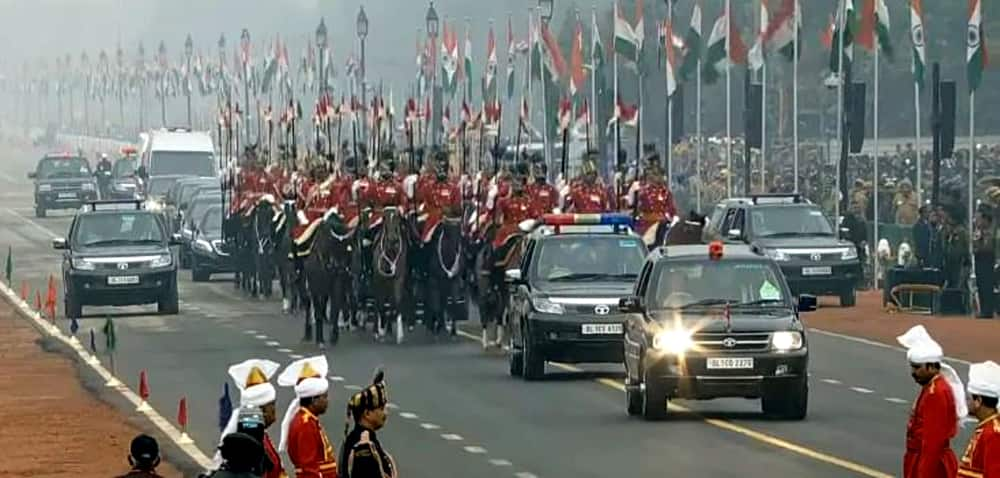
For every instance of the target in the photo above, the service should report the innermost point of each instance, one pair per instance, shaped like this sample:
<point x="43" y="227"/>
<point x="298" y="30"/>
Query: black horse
<point x="389" y="273"/>
<point x="289" y="255"/>
<point x="263" y="222"/>
<point x="444" y="294"/>
<point x="493" y="262"/>
<point x="329" y="277"/>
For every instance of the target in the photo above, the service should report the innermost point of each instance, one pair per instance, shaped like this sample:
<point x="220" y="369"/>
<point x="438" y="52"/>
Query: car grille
<point x="834" y="256"/>
<point x="117" y="265"/>
<point x="732" y="342"/>
<point x="67" y="187"/>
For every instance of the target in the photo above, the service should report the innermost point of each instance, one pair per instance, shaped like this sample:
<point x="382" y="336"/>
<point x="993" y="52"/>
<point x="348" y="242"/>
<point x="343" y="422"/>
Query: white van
<point x="170" y="152"/>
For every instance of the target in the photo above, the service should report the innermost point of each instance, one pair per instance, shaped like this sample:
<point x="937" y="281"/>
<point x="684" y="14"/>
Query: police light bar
<point x="607" y="219"/>
<point x="126" y="150"/>
<point x="127" y="205"/>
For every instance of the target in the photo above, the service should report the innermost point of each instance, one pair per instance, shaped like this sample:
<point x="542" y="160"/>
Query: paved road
<point x="457" y="413"/>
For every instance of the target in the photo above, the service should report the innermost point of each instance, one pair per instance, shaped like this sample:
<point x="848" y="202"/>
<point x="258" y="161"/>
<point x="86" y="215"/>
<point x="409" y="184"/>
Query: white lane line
<point x="408" y="415"/>
<point x="429" y="426"/>
<point x="285" y="351"/>
<point x="33" y="224"/>
<point x="873" y="343"/>
<point x="261" y="337"/>
<point x="392" y="406"/>
<point x="896" y="400"/>
<point x="475" y="450"/>
<point x="295" y="356"/>
<point x="525" y="474"/>
<point x="352" y="387"/>
<point x="250" y="332"/>
<point x="832" y="381"/>
<point x="500" y="462"/>
<point x="272" y="343"/>
<point x="862" y="390"/>
<point x="336" y="378"/>
<point x="451" y="437"/>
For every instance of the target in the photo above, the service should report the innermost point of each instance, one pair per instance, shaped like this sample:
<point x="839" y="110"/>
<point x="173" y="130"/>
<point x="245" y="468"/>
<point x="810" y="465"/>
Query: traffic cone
<point x="182" y="420"/>
<point x="143" y="393"/>
<point x="50" y="297"/>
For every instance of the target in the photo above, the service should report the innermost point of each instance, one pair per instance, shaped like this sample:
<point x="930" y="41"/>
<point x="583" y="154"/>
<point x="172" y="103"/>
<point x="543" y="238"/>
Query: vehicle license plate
<point x="123" y="280"/>
<point x="67" y="195"/>
<point x="817" y="271"/>
<point x="730" y="363"/>
<point x="601" y="329"/>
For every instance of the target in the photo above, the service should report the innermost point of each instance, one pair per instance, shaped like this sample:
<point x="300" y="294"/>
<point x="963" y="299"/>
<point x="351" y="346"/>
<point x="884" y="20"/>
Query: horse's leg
<point x="320" y="300"/>
<point x="308" y="315"/>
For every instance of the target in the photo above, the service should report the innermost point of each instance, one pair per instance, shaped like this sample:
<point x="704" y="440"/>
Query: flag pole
<point x="875" y="182"/>
<point x="729" y="107"/>
<point x="697" y="134"/>
<point x="841" y="23"/>
<point x="795" y="95"/>
<point x="670" y="99"/>
<point x="593" y="83"/>
<point x="763" y="105"/>
<point x="916" y="123"/>
<point x="545" y="109"/>
<point x="618" y="119"/>
<point x="972" y="175"/>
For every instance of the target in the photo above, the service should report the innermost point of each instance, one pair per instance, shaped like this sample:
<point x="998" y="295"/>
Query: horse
<point x="444" y="297"/>
<point x="263" y="221"/>
<point x="329" y="276"/>
<point x="389" y="272"/>
<point x="493" y="262"/>
<point x="686" y="231"/>
<point x="288" y="255"/>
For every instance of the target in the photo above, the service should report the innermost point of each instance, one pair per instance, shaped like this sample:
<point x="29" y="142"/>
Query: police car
<point x="116" y="254"/>
<point x="714" y="321"/>
<point x="62" y="181"/>
<point x="563" y="303"/>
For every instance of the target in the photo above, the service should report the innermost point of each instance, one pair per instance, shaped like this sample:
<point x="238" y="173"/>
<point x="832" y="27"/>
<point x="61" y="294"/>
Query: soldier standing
<point x="362" y="455"/>
<point x="302" y="436"/>
<point x="982" y="455"/>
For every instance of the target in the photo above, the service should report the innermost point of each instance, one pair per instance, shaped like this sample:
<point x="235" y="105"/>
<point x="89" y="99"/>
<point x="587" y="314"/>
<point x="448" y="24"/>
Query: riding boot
<point x="499" y="341"/>
<point x="307" y="337"/>
<point x="486" y="338"/>
<point x="319" y="331"/>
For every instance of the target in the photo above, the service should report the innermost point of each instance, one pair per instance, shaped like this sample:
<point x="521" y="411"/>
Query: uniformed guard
<point x="252" y="379"/>
<point x="545" y="195"/>
<point x="439" y="199"/>
<point x="302" y="436"/>
<point x="362" y="455"/>
<point x="982" y="455"/>
<point x="586" y="193"/>
<point x="934" y="418"/>
<point x="984" y="248"/>
<point x="511" y="211"/>
<point x="651" y="199"/>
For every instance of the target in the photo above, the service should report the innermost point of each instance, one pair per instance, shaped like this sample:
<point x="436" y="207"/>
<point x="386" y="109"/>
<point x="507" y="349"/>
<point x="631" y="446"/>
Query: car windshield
<point x="789" y="221"/>
<point x="160" y="186"/>
<point x="200" y="205"/>
<point x="117" y="229"/>
<point x="211" y="224"/>
<point x="691" y="284"/>
<point x="194" y="163"/>
<point x="61" y="168"/>
<point x="125" y="168"/>
<point x="191" y="191"/>
<point x="570" y="258"/>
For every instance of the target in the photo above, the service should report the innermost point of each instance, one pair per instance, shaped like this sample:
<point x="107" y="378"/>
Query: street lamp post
<point x="140" y="66"/>
<point x="163" y="83"/>
<point x="104" y="68"/>
<point x="85" y="70"/>
<point x="321" y="40"/>
<point x="120" y="61"/>
<point x="546" y="8"/>
<point x="67" y="61"/>
<point x="245" y="46"/>
<point x="188" y="51"/>
<point x="362" y="26"/>
<point x="433" y="24"/>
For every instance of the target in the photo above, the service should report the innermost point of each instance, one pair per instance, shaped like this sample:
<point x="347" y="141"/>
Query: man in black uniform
<point x="362" y="456"/>
<point x="983" y="246"/>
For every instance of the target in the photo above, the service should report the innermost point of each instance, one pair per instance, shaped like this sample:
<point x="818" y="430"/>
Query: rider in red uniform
<point x="587" y="194"/>
<point x="513" y="209"/>
<point x="545" y="195"/>
<point x="650" y="198"/>
<point x="439" y="199"/>
<point x="387" y="192"/>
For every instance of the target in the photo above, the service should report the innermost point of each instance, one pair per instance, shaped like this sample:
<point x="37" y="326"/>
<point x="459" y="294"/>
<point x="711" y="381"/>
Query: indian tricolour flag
<point x="468" y="60"/>
<point x="882" y="28"/>
<point x="489" y="79"/>
<point x="917" y="39"/>
<point x="692" y="41"/>
<point x="671" y="60"/>
<point x="976" y="57"/>
<point x="627" y="43"/>
<point x="717" y="58"/>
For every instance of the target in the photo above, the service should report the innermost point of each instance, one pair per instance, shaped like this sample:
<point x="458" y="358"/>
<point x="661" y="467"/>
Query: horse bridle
<point x="452" y="271"/>
<point x="383" y="257"/>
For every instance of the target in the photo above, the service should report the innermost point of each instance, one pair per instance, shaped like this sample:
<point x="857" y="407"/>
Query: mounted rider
<point x="587" y="194"/>
<point x="546" y="197"/>
<point x="438" y="199"/>
<point x="651" y="200"/>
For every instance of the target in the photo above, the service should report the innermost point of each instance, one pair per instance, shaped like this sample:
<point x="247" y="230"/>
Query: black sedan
<point x="208" y="250"/>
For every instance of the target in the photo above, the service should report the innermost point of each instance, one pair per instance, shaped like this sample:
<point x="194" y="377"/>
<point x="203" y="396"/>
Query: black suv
<point x="62" y="181"/>
<point x="714" y="321"/>
<point x="564" y="296"/>
<point x="117" y="254"/>
<point x="798" y="236"/>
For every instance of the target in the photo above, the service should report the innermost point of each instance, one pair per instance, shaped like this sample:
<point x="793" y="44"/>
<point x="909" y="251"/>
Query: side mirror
<point x="59" y="243"/>
<point x="807" y="303"/>
<point x="32" y="175"/>
<point x="176" y="239"/>
<point x="512" y="276"/>
<point x="734" y="234"/>
<point x="630" y="305"/>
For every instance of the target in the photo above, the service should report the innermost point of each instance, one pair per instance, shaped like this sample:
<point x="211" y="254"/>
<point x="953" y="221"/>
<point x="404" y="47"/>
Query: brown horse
<point x="688" y="230"/>
<point x="329" y="277"/>
<point x="389" y="273"/>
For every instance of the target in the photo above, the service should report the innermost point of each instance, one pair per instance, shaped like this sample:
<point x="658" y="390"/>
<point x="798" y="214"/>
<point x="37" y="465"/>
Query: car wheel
<point x="168" y="303"/>
<point x="73" y="307"/>
<point x="515" y="360"/>
<point x="39" y="211"/>
<point x="198" y="275"/>
<point x="534" y="363"/>
<point x="654" y="399"/>
<point x="848" y="297"/>
<point x="789" y="403"/>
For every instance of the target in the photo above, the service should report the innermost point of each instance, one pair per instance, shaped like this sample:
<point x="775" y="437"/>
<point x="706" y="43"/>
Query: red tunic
<point x="588" y="199"/>
<point x="982" y="457"/>
<point x="929" y="432"/>
<point x="545" y="196"/>
<point x="435" y="201"/>
<point x="272" y="454"/>
<point x="309" y="449"/>
<point x="513" y="210"/>
<point x="655" y="203"/>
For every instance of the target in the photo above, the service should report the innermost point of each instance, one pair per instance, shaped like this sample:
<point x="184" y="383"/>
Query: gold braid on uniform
<point x="371" y="398"/>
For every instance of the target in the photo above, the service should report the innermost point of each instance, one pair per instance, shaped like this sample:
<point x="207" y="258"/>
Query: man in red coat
<point x="587" y="194"/>
<point x="651" y="200"/>
<point x="302" y="436"/>
<point x="982" y="456"/>
<point x="545" y="196"/>
<point x="934" y="418"/>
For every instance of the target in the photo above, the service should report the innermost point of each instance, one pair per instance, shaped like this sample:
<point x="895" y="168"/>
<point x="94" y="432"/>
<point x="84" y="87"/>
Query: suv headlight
<point x="162" y="260"/>
<point x="848" y="254"/>
<point x="786" y="341"/>
<point x="44" y="188"/>
<point x="546" y="306"/>
<point x="776" y="254"/>
<point x="87" y="186"/>
<point x="676" y="341"/>
<point x="83" y="264"/>
<point x="202" y="245"/>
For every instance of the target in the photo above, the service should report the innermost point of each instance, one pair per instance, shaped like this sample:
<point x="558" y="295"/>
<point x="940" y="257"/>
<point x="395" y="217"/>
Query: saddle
<point x="513" y="245"/>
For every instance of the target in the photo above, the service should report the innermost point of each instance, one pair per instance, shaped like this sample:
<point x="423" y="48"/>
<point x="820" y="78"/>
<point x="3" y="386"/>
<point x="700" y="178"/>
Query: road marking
<point x="500" y="462"/>
<point x="451" y="437"/>
<point x="408" y="415"/>
<point x="873" y="343"/>
<point x="862" y="390"/>
<point x="336" y="378"/>
<point x="525" y="474"/>
<point x="272" y="343"/>
<point x="295" y="356"/>
<point x="261" y="337"/>
<point x="285" y="351"/>
<point x="896" y="400"/>
<point x="476" y="450"/>
<point x="832" y="381"/>
<point x="429" y="426"/>
<point x="33" y="224"/>
<point x="738" y="429"/>
<point x="392" y="406"/>
<point x="352" y="387"/>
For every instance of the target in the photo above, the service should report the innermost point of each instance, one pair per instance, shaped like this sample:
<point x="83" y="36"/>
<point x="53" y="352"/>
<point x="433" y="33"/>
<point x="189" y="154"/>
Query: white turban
<point x="984" y="379"/>
<point x="921" y="349"/>
<point x="308" y="378"/>
<point x="251" y="378"/>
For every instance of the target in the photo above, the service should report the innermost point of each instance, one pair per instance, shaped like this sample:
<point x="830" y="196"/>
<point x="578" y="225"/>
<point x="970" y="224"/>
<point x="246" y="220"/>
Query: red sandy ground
<point x="961" y="337"/>
<point x="51" y="426"/>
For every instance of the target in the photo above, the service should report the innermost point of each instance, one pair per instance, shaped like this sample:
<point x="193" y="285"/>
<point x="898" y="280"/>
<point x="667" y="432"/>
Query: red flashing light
<point x="715" y="250"/>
